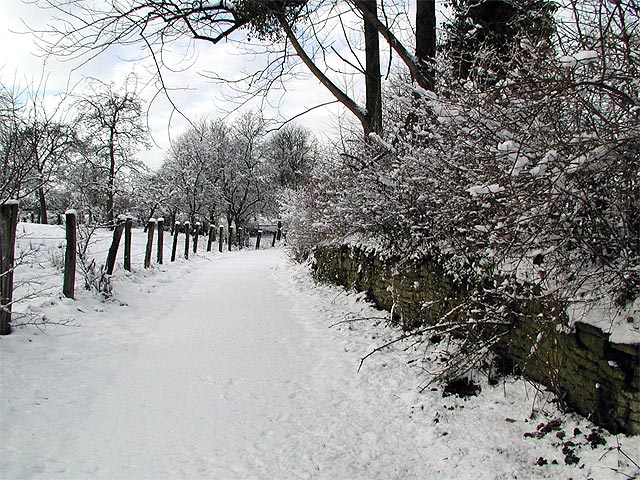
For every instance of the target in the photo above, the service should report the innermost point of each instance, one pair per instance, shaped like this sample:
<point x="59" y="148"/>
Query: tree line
<point x="232" y="170"/>
<point x="82" y="154"/>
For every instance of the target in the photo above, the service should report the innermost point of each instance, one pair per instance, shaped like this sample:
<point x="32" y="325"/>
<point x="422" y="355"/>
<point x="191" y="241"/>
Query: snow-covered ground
<point x="227" y="366"/>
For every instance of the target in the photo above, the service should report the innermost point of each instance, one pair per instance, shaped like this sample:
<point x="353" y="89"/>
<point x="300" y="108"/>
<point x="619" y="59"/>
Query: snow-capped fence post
<point x="160" y="253"/>
<point x="187" y="233"/>
<point x="196" y="234"/>
<point x="115" y="243"/>
<point x="69" y="282"/>
<point x="240" y="238"/>
<point x="220" y="238"/>
<point x="258" y="238"/>
<point x="279" y="230"/>
<point x="128" y="223"/>
<point x="176" y="227"/>
<point x="8" y="223"/>
<point x="151" y="226"/>
<point x="212" y="237"/>
<point x="230" y="239"/>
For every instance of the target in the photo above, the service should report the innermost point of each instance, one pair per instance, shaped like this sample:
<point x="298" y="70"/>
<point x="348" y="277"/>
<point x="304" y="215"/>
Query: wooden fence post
<point x="128" y="223"/>
<point x="176" y="227"/>
<point x="196" y="235"/>
<point x="240" y="238"/>
<point x="212" y="237"/>
<point x="69" y="285"/>
<point x="115" y="243"/>
<point x="8" y="223"/>
<point x="258" y="238"/>
<point x="273" y="242"/>
<point x="187" y="233"/>
<point x="230" y="240"/>
<point x="220" y="238"/>
<point x="279" y="230"/>
<point x="160" y="253"/>
<point x="151" y="226"/>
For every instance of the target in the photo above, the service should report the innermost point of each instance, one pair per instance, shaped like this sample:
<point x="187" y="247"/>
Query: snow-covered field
<point x="227" y="366"/>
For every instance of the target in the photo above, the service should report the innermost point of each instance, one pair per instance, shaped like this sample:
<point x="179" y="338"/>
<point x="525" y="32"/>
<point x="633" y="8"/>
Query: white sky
<point x="197" y="97"/>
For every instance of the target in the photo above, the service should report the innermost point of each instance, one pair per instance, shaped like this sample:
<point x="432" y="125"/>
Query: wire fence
<point x="95" y="251"/>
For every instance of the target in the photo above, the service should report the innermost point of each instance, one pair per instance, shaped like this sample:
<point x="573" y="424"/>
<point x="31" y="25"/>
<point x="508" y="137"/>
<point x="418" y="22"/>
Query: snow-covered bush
<point x="527" y="187"/>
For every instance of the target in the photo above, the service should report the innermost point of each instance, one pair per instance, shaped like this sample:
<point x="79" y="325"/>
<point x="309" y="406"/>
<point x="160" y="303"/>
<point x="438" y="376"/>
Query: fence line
<point x="8" y="237"/>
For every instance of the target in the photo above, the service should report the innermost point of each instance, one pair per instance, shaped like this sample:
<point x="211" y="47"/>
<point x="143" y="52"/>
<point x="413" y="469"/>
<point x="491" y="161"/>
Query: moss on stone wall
<point x="597" y="378"/>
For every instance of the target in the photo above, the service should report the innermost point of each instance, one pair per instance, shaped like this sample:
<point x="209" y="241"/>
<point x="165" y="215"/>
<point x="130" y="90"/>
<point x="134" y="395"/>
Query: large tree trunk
<point x="426" y="39"/>
<point x="406" y="56"/>
<point x="373" y="80"/>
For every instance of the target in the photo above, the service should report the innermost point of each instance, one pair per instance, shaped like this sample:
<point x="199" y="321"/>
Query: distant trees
<point x="82" y="154"/>
<point x="78" y="150"/>
<point x="36" y="145"/>
<point x="246" y="182"/>
<point x="292" y="151"/>
<point x="191" y="170"/>
<point x="235" y="169"/>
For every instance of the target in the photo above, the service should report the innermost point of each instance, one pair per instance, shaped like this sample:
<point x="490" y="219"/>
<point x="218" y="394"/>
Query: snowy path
<point x="225" y="385"/>
<point x="230" y="381"/>
<point x="222" y="367"/>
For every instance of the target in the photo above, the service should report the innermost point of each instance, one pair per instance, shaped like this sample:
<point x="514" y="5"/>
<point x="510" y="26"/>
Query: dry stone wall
<point x="595" y="377"/>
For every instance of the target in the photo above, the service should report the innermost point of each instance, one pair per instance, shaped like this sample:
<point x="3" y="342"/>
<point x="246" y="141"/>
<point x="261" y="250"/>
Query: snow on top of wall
<point x="622" y="324"/>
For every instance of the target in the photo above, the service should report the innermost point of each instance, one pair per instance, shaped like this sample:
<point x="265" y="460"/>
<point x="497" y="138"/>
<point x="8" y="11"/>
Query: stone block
<point x="591" y="338"/>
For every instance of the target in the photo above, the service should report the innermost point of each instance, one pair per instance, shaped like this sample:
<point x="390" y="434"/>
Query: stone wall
<point x="597" y="378"/>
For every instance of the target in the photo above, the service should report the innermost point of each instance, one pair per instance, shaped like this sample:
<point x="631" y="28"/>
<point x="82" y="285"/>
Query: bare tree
<point x="53" y="142"/>
<point x="297" y="25"/>
<point x="245" y="183"/>
<point x="192" y="169"/>
<point x="15" y="166"/>
<point x="113" y="130"/>
<point x="36" y="144"/>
